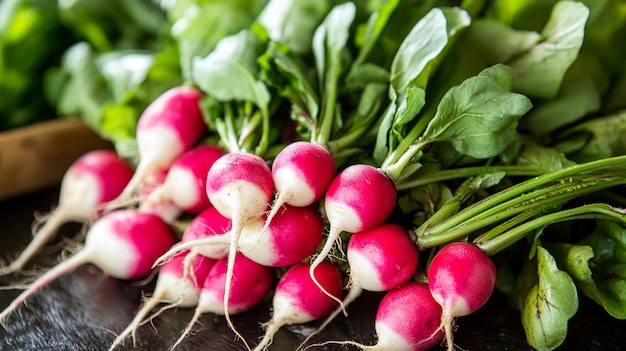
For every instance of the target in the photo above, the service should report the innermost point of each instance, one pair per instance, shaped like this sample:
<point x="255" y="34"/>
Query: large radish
<point x="124" y="244"/>
<point x="359" y="197"/>
<point x="461" y="278"/>
<point x="94" y="179"/>
<point x="240" y="186"/>
<point x="297" y="299"/>
<point x="169" y="126"/>
<point x="302" y="172"/>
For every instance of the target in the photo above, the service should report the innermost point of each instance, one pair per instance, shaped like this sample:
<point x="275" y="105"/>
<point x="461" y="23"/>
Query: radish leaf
<point x="541" y="70"/>
<point x="479" y="116"/>
<point x="548" y="304"/>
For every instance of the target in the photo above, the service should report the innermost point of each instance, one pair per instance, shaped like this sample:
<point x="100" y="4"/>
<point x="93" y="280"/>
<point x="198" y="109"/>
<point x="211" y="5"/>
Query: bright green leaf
<point x="229" y="72"/>
<point x="478" y="117"/>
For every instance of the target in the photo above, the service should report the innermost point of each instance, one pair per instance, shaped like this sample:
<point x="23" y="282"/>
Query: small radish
<point x="240" y="186"/>
<point x="380" y="259"/>
<point x="123" y="244"/>
<point x="359" y="197"/>
<point x="293" y="235"/>
<point x="168" y="127"/>
<point x="461" y="278"/>
<point x="407" y="319"/>
<point x="92" y="180"/>
<point x="297" y="299"/>
<point x="302" y="172"/>
<point x="208" y="223"/>
<point x="251" y="283"/>
<point x="185" y="183"/>
<point x="166" y="209"/>
<point x="173" y="288"/>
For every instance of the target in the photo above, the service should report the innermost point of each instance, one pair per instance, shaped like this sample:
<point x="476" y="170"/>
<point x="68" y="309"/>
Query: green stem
<point x="455" y="173"/>
<point x="506" y="239"/>
<point x="528" y="186"/>
<point x="410" y="146"/>
<point x="328" y="108"/>
<point x="265" y="132"/>
<point x="441" y="234"/>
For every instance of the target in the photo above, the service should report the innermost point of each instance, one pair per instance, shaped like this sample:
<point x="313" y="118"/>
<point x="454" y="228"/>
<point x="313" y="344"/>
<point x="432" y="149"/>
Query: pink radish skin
<point x="208" y="223"/>
<point x="297" y="299"/>
<point x="173" y="288"/>
<point x="251" y="284"/>
<point x="167" y="128"/>
<point x="123" y="244"/>
<point x="301" y="172"/>
<point x="380" y="259"/>
<point x="166" y="209"/>
<point x="294" y="234"/>
<point x="461" y="278"/>
<point x="240" y="186"/>
<point x="185" y="184"/>
<point x="407" y="319"/>
<point x="360" y="197"/>
<point x="92" y="180"/>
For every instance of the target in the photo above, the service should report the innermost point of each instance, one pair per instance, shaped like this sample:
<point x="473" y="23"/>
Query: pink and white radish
<point x="302" y="172"/>
<point x="293" y="236"/>
<point x="461" y="278"/>
<point x="168" y="127"/>
<point x="123" y="244"/>
<point x="92" y="180"/>
<point x="207" y="224"/>
<point x="173" y="288"/>
<point x="166" y="209"/>
<point x="185" y="183"/>
<point x="240" y="187"/>
<point x="297" y="299"/>
<point x="251" y="284"/>
<point x="379" y="259"/>
<point x="407" y="319"/>
<point x="359" y="197"/>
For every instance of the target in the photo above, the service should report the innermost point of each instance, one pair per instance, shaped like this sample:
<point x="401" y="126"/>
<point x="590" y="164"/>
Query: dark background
<point x="85" y="309"/>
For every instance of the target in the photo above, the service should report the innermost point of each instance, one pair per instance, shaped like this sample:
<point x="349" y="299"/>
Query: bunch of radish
<point x="253" y="228"/>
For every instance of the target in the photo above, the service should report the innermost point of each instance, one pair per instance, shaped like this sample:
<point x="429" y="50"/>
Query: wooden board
<point x="36" y="157"/>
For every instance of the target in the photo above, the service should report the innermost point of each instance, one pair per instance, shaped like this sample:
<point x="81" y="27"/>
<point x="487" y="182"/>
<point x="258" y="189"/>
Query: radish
<point x="240" y="186"/>
<point x="407" y="319"/>
<point x="461" y="278"/>
<point x="185" y="183"/>
<point x="380" y="259"/>
<point x="123" y="244"/>
<point x="359" y="197"/>
<point x="92" y="180"/>
<point x="251" y="284"/>
<point x="297" y="299"/>
<point x="166" y="209"/>
<point x="167" y="128"/>
<point x="172" y="287"/>
<point x="293" y="235"/>
<point x="206" y="224"/>
<point x="301" y="172"/>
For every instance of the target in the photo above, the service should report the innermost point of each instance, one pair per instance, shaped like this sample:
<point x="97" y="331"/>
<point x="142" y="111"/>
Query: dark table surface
<point x="85" y="309"/>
